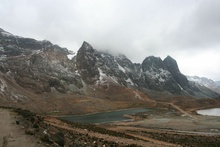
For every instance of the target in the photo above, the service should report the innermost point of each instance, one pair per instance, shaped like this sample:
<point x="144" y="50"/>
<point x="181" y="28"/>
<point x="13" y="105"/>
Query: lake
<point x="104" y="117"/>
<point x="210" y="112"/>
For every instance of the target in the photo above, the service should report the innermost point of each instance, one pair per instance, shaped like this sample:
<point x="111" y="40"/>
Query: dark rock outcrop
<point x="158" y="76"/>
<point x="173" y="68"/>
<point x="86" y="61"/>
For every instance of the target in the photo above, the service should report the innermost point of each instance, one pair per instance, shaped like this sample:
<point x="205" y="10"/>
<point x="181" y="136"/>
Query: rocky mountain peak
<point x="152" y="62"/>
<point x="5" y="34"/>
<point x="3" y="31"/>
<point x="157" y="76"/>
<point x="171" y="64"/>
<point x="173" y="68"/>
<point x="86" y="61"/>
<point x="86" y="46"/>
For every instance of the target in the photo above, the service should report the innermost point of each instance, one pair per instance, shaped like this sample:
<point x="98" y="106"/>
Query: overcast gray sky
<point x="187" y="30"/>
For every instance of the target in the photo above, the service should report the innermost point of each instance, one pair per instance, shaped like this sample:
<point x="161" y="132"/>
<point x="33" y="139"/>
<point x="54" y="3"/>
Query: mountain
<point x="39" y="71"/>
<point x="205" y="82"/>
<point x="217" y="82"/>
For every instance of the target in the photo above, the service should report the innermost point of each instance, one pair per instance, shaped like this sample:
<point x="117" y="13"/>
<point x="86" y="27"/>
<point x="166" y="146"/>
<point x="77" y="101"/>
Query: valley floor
<point x="166" y="125"/>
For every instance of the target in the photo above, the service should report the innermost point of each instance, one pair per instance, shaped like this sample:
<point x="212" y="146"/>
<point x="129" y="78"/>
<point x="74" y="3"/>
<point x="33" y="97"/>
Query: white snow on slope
<point x="102" y="75"/>
<point x="201" y="81"/>
<point x="71" y="56"/>
<point x="129" y="81"/>
<point x="114" y="79"/>
<point x="2" y="85"/>
<point x="121" y="68"/>
<point x="161" y="74"/>
<point x="103" y="78"/>
<point x="36" y="52"/>
<point x="103" y="56"/>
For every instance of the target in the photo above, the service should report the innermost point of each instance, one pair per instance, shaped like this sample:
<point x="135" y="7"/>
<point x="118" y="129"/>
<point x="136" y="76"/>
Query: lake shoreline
<point x="209" y="112"/>
<point x="105" y="117"/>
<point x="58" y="116"/>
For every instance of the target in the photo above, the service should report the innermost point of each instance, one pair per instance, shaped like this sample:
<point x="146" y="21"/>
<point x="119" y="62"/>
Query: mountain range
<point x="203" y="81"/>
<point x="31" y="70"/>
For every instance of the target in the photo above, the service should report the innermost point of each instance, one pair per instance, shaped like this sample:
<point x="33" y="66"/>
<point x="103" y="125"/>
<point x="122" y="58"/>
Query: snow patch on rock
<point x="160" y="74"/>
<point x="180" y="87"/>
<point x="71" y="56"/>
<point x="129" y="81"/>
<point x="103" y="56"/>
<point x="114" y="79"/>
<point x="3" y="85"/>
<point x="101" y="75"/>
<point x="36" y="52"/>
<point x="121" y="68"/>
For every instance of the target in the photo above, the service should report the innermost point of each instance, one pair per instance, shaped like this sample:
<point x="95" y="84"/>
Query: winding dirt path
<point x="182" y="111"/>
<point x="179" y="109"/>
<point x="13" y="135"/>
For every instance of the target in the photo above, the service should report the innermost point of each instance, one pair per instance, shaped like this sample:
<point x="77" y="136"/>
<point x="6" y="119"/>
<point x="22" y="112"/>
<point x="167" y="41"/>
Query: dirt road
<point x="13" y="135"/>
<point x="182" y="111"/>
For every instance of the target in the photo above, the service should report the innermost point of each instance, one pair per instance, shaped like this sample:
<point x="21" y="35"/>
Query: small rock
<point x="17" y="122"/>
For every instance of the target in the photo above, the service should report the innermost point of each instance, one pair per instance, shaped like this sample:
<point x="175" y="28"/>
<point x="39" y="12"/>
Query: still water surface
<point x="210" y="112"/>
<point x="104" y="117"/>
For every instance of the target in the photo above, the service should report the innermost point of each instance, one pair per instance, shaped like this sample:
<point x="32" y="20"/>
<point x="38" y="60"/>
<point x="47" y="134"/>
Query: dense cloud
<point x="187" y="30"/>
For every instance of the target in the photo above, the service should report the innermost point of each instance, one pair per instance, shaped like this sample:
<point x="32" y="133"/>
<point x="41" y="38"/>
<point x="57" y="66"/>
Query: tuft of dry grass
<point x="5" y="141"/>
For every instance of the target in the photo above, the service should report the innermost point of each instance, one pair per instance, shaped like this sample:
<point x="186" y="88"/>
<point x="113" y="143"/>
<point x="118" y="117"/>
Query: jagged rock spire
<point x="86" y="46"/>
<point x="171" y="64"/>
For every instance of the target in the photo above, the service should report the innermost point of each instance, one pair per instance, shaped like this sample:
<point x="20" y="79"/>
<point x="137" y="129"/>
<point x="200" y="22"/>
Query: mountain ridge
<point x="203" y="81"/>
<point x="42" y="68"/>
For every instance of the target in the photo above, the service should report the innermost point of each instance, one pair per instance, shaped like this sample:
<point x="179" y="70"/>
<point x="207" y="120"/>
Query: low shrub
<point x="29" y="132"/>
<point x="59" y="138"/>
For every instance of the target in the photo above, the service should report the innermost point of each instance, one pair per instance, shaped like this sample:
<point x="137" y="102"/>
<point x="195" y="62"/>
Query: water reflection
<point x="105" y="116"/>
<point x="210" y="112"/>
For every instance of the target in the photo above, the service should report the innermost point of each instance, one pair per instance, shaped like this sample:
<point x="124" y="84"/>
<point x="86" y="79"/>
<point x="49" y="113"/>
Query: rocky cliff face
<point x="42" y="67"/>
<point x="38" y="66"/>
<point x="158" y="77"/>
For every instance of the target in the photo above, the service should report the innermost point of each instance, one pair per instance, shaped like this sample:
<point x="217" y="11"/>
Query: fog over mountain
<point x="186" y="30"/>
